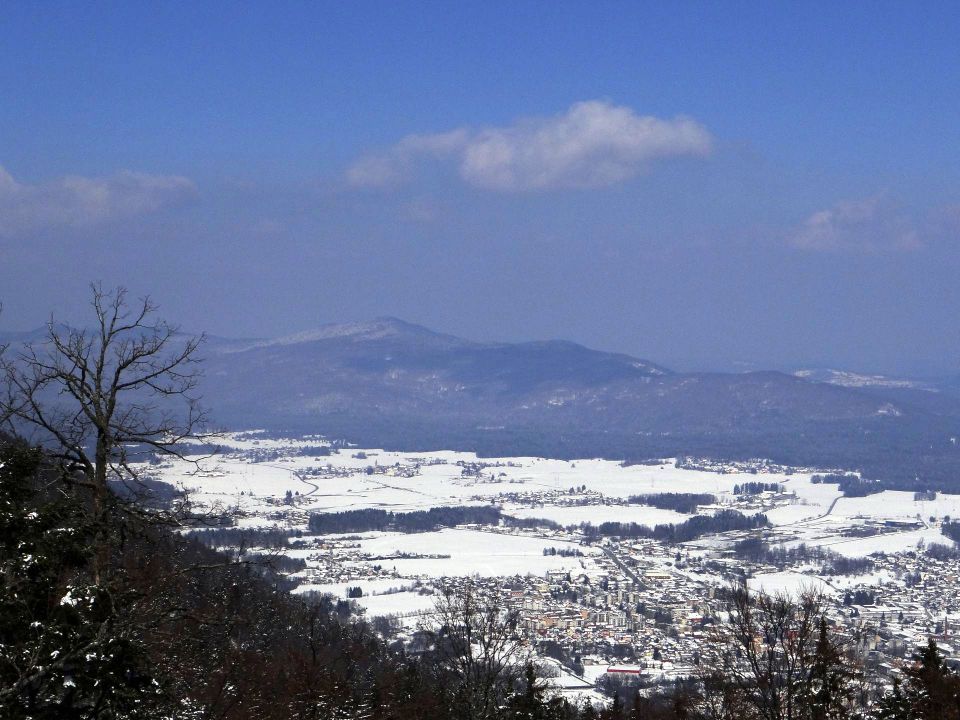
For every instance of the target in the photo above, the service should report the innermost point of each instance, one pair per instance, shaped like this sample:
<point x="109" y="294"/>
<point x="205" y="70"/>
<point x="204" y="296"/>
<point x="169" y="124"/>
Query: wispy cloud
<point x="75" y="201"/>
<point x="871" y="225"/>
<point x="592" y="144"/>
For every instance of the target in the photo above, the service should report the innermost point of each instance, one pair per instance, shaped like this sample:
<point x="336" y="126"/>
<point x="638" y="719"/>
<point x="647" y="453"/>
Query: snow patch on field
<point x="787" y="583"/>
<point x="596" y="514"/>
<point x="898" y="505"/>
<point x="890" y="542"/>
<point x="472" y="552"/>
<point x="379" y="586"/>
<point x="404" y="603"/>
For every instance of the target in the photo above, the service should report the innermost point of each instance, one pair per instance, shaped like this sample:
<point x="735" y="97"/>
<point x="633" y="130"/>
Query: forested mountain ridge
<point x="388" y="382"/>
<point x="392" y="368"/>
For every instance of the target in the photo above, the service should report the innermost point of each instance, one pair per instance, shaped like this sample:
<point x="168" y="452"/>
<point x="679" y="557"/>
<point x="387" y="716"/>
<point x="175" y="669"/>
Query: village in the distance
<point x="614" y="570"/>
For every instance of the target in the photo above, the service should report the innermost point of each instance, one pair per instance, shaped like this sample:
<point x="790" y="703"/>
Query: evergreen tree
<point x="829" y="685"/>
<point x="894" y="705"/>
<point x="930" y="691"/>
<point x="64" y="650"/>
<point x="528" y="704"/>
<point x="616" y="709"/>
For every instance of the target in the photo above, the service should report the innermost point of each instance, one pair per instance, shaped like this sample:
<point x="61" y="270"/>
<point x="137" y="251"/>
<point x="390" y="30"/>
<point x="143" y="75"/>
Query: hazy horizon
<point x="918" y="370"/>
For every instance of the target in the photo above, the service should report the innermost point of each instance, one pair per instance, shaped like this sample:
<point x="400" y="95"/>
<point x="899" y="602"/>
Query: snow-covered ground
<point x="897" y="505"/>
<point x="253" y="475"/>
<point x="403" y="604"/>
<point x="789" y="583"/>
<point x="472" y="552"/>
<point x="596" y="514"/>
<point x="891" y="542"/>
<point x="340" y="481"/>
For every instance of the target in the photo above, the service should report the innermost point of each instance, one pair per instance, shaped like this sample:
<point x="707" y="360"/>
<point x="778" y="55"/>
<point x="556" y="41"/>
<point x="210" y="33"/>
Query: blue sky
<point x="697" y="183"/>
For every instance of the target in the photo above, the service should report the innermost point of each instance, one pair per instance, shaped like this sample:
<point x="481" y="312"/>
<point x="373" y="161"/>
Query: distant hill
<point x="387" y="368"/>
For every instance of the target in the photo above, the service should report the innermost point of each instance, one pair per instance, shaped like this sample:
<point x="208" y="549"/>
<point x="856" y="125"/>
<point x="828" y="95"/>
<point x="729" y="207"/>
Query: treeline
<point x="276" y="562"/>
<point x="755" y="488"/>
<point x="849" y="485"/>
<point x="530" y="523"/>
<point x="830" y="478"/>
<point x="951" y="530"/>
<point x="695" y="527"/>
<point x="831" y="563"/>
<point x="233" y="537"/>
<point x="353" y="521"/>
<point x="907" y="453"/>
<point x="939" y="551"/>
<point x="685" y="503"/>
<point x="147" y="491"/>
<point x="860" y="597"/>
<point x="859" y="487"/>
<point x="563" y="552"/>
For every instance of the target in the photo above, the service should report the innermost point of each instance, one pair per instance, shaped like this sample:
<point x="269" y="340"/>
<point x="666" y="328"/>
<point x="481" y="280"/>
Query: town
<point x="617" y="573"/>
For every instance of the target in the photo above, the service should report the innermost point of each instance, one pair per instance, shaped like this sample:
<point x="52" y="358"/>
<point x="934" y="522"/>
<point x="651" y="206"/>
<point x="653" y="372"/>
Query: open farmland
<point x="602" y="561"/>
<point x="267" y="482"/>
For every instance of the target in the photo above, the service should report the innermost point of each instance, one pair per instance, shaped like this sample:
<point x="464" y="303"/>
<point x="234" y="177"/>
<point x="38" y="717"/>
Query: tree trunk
<point x="102" y="551"/>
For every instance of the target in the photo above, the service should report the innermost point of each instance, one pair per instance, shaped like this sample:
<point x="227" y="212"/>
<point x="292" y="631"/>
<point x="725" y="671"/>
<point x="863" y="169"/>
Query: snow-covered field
<point x="280" y="482"/>
<point x="896" y="505"/>
<point x="892" y="542"/>
<point x="789" y="583"/>
<point x="472" y="552"/>
<point x="368" y="587"/>
<point x="404" y="604"/>
<point x="596" y="514"/>
<point x="342" y="481"/>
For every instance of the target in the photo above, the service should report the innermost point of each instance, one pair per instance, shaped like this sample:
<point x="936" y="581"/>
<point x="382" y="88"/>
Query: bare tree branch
<point x="97" y="400"/>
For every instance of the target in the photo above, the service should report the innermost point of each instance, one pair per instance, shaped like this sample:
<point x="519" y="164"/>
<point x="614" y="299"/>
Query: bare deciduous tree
<point x="779" y="662"/>
<point x="478" y="646"/>
<point x="99" y="399"/>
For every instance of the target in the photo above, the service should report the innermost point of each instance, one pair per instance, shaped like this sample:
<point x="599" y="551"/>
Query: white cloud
<point x="374" y="171"/>
<point x="392" y="167"/>
<point x="75" y="201"/>
<point x="592" y="144"/>
<point x="870" y="225"/>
